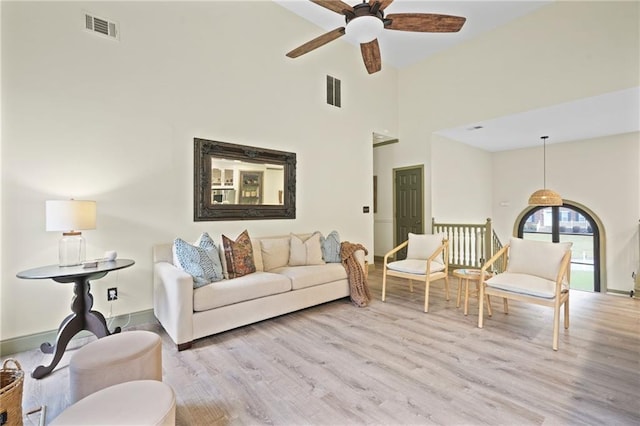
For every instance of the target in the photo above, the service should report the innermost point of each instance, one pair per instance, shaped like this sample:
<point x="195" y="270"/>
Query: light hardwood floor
<point x="390" y="363"/>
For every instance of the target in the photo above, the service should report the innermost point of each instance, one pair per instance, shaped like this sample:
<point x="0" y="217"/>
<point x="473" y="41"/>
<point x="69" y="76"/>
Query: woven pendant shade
<point x="545" y="197"/>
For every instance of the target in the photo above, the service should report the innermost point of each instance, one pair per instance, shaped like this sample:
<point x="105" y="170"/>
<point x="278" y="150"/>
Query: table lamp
<point x="70" y="217"/>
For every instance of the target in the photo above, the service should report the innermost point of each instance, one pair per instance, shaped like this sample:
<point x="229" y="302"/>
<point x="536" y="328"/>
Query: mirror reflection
<point x="241" y="182"/>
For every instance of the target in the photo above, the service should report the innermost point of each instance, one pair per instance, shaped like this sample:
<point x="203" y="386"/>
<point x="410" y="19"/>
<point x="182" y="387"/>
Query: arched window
<point x="568" y="222"/>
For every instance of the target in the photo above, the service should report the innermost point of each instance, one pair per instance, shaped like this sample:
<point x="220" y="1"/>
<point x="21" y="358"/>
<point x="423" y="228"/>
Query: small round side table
<point x="464" y="276"/>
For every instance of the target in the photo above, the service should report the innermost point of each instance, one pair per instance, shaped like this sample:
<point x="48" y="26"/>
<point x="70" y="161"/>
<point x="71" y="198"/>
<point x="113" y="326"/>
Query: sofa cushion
<point x="305" y="251"/>
<point x="257" y="254"/>
<point x="275" y="252"/>
<point x="225" y="270"/>
<point x="524" y="284"/>
<point x="247" y="287"/>
<point x="331" y="247"/>
<point x="239" y="255"/>
<point x="201" y="261"/>
<point x="539" y="258"/>
<point x="422" y="246"/>
<point x="312" y="275"/>
<point x="415" y="266"/>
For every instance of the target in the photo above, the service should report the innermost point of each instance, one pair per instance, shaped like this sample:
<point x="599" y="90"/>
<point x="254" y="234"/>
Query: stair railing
<point x="470" y="245"/>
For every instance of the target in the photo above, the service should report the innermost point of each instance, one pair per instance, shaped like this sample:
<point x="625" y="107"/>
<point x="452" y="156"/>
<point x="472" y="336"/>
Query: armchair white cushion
<point x="539" y="258"/>
<point x="415" y="266"/>
<point x="422" y="246"/>
<point x="523" y="284"/>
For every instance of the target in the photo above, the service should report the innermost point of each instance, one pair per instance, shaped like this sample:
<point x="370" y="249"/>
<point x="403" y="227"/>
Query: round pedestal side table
<point x="82" y="316"/>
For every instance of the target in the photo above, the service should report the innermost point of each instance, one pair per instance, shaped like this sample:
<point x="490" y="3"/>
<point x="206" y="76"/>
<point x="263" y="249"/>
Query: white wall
<point x="601" y="174"/>
<point x="88" y="117"/>
<point x="561" y="52"/>
<point x="461" y="176"/>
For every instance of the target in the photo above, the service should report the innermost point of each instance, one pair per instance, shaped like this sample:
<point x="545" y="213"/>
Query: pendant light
<point x="545" y="197"/>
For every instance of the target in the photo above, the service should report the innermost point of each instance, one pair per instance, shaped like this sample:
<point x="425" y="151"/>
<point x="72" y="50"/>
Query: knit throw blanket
<point x="359" y="287"/>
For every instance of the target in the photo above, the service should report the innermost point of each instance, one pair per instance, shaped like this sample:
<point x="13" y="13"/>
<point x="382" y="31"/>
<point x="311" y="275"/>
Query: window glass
<point x="538" y="225"/>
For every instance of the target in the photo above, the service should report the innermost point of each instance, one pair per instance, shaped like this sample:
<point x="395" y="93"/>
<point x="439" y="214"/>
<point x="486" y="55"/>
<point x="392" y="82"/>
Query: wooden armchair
<point x="427" y="260"/>
<point x="536" y="272"/>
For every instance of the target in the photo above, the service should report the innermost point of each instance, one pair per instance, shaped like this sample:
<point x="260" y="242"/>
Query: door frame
<point x="395" y="170"/>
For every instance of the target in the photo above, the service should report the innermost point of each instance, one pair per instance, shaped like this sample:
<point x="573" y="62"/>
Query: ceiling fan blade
<point x="316" y="42"/>
<point x="424" y="22"/>
<point x="371" y="56"/>
<point x="334" y="5"/>
<point x="383" y="3"/>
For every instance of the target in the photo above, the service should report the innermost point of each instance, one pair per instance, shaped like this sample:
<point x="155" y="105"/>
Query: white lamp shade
<point x="364" y="29"/>
<point x="70" y="215"/>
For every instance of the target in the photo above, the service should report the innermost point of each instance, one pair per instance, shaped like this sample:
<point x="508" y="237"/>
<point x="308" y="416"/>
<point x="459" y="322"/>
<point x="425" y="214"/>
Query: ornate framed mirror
<point x="238" y="182"/>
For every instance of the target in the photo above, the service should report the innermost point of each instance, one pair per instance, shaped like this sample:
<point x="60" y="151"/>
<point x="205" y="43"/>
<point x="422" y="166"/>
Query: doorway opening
<point x="569" y="223"/>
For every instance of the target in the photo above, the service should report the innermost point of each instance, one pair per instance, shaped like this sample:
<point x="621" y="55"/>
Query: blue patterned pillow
<point x="201" y="261"/>
<point x="331" y="247"/>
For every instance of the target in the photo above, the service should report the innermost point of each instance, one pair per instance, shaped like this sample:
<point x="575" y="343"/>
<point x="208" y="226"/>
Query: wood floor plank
<point x="390" y="363"/>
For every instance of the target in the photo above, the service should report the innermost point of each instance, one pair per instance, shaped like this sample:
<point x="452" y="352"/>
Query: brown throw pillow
<point x="239" y="255"/>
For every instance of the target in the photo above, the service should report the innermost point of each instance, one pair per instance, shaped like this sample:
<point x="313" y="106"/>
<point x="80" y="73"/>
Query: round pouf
<point x="118" y="358"/>
<point x="141" y="402"/>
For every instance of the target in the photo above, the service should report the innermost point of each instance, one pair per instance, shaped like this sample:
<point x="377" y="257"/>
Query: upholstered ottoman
<point x="141" y="402"/>
<point x="118" y="358"/>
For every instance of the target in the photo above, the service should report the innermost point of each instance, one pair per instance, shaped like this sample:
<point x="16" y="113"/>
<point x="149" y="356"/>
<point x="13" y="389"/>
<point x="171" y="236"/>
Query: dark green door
<point x="408" y="206"/>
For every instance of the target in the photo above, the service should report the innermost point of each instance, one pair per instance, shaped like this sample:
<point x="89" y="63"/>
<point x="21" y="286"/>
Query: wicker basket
<point x="11" y="380"/>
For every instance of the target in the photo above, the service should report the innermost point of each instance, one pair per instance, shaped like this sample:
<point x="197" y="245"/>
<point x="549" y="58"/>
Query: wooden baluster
<point x="457" y="232"/>
<point x="489" y="246"/>
<point x="465" y="253"/>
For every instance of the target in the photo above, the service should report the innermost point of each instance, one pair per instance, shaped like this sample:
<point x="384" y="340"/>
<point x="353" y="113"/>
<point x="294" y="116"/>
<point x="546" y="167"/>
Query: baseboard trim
<point x="33" y="341"/>
<point x="620" y="292"/>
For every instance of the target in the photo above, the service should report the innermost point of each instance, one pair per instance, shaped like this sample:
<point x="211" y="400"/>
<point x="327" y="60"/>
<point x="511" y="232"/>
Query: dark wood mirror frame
<point x="204" y="210"/>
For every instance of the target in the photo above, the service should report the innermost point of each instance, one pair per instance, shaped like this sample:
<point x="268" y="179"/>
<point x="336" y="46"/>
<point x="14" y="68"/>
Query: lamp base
<point x="71" y="249"/>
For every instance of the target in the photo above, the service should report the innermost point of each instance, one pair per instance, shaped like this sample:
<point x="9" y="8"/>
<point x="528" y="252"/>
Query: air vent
<point x="101" y="26"/>
<point x="333" y="91"/>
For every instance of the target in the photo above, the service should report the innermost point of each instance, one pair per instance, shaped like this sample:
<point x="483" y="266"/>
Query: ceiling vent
<point x="101" y="26"/>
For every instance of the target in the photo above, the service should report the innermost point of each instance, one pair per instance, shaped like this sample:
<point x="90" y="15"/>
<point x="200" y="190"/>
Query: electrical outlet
<point x="112" y="294"/>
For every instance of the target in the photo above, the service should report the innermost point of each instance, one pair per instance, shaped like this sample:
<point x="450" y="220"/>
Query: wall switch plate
<point x="112" y="294"/>
<point x="365" y="209"/>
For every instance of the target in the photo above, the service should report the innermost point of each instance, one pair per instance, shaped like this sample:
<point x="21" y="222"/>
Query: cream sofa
<point x="188" y="314"/>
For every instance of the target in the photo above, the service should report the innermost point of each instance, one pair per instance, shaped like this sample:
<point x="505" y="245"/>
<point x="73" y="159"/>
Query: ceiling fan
<point x="366" y="20"/>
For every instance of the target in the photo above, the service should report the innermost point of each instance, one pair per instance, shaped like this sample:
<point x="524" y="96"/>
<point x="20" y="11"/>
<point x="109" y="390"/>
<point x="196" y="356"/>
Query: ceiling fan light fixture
<point x="364" y="29"/>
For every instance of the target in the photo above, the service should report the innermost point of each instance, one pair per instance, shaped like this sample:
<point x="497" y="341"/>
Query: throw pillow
<point x="331" y="247"/>
<point x="422" y="246"/>
<point x="239" y="255"/>
<point x="305" y="252"/>
<point x="201" y="260"/>
<point x="275" y="252"/>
